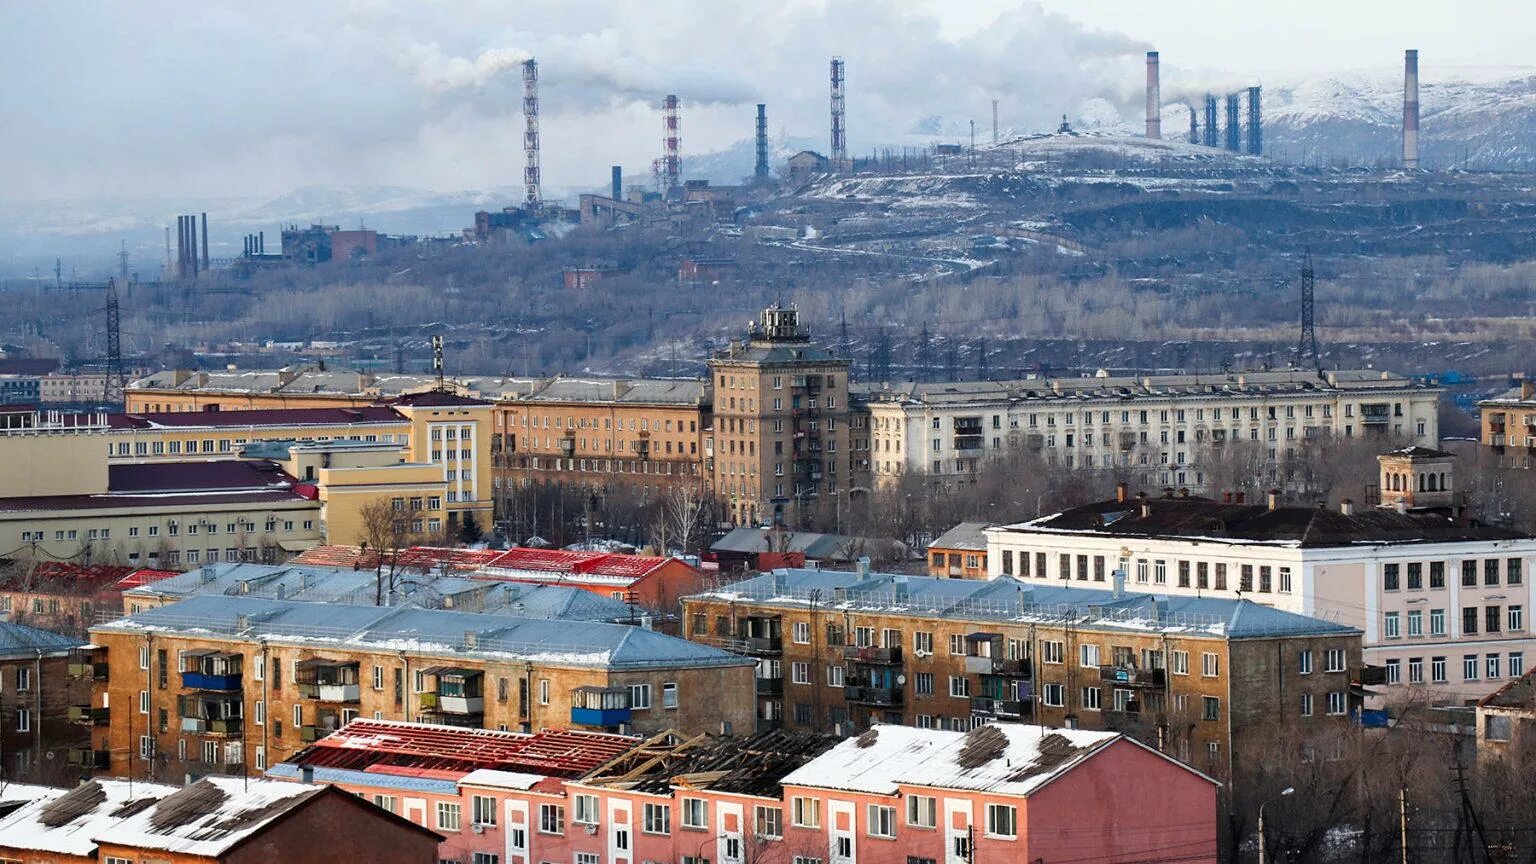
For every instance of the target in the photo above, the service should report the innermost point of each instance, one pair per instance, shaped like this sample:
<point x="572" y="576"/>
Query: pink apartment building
<point x="894" y="794"/>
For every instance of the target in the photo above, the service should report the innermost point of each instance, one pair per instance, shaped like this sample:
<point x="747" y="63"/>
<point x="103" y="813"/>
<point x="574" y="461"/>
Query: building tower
<point x="760" y="170"/>
<point x="1212" y="124"/>
<point x="1234" y="123"/>
<point x="1411" y="109"/>
<point x="1194" y="125"/>
<point x="839" y="131"/>
<point x="1306" y="348"/>
<point x="531" y="193"/>
<point x="781" y="425"/>
<point x="1154" y="98"/>
<point x="205" y="242"/>
<point x="1255" y="124"/>
<point x="671" y="146"/>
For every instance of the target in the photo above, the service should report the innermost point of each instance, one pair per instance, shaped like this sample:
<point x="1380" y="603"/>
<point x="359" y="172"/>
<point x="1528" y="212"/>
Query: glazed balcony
<point x="1132" y="676"/>
<point x="871" y="655"/>
<point x="86" y="715"/>
<point x="880" y="696"/>
<point x="600" y="706"/>
<point x="1006" y="709"/>
<point x="328" y="680"/>
<point x="769" y="686"/>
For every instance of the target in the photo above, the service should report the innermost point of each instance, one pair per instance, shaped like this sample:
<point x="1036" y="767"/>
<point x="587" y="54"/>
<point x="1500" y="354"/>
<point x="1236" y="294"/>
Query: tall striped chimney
<point x="1154" y="99"/>
<point x="1411" y="109"/>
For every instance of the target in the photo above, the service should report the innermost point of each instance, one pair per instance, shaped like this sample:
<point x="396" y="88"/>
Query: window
<point x="1469" y="667"/>
<point x="640" y="697"/>
<point x="1437" y="622"/>
<point x="959" y="687"/>
<point x="1390" y="625"/>
<point x="769" y="822"/>
<point x="668" y="695"/>
<point x="1437" y="672"/>
<point x="1491" y="571"/>
<point x="1416" y="622"/>
<point x="447" y="816"/>
<point x="922" y="643"/>
<point x="1516" y="617"/>
<point x="922" y="811"/>
<point x="485" y="858"/>
<point x="1394" y="671"/>
<point x="1469" y="574"/>
<point x="1389" y="578"/>
<point x="1179" y="662"/>
<point x="1088" y="656"/>
<point x="1306" y="704"/>
<point x="882" y="821"/>
<point x="1512" y="572"/>
<point x="806" y="812"/>
<point x="1210" y="665"/>
<point x="1304" y="661"/>
<point x="834" y="676"/>
<point x="1491" y="666"/>
<point x="1002" y="821"/>
<point x="1493" y="618"/>
<point x="23" y="720"/>
<point x="1336" y="703"/>
<point x="484" y="809"/>
<point x="1054" y="695"/>
<point x="23" y="678"/>
<point x="800" y="673"/>
<point x="1091" y="698"/>
<point x="1469" y="620"/>
<point x="1415" y="670"/>
<point x="586" y="810"/>
<point x="1516" y="664"/>
<point x="922" y="684"/>
<point x="543" y="691"/>
<point x="588" y="858"/>
<point x="695" y="813"/>
<point x="1333" y="660"/>
<point x="658" y="819"/>
<point x="551" y="819"/>
<point x="1210" y="708"/>
<point x="1436" y="574"/>
<point x="1052" y="652"/>
<point x="800" y="633"/>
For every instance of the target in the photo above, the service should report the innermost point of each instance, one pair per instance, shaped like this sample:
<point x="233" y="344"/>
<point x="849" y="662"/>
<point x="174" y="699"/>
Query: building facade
<point x="1191" y="676"/>
<point x="1156" y="427"/>
<point x="214" y="684"/>
<point x="781" y="419"/>
<point x="41" y="741"/>
<point x="1507" y="425"/>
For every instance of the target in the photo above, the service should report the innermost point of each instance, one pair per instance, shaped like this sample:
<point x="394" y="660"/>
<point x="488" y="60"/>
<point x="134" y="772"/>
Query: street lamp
<point x="1289" y="790"/>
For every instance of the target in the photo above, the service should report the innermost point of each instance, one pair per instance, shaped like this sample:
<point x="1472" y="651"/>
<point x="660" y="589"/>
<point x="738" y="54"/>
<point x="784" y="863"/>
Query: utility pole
<point x="1402" y="821"/>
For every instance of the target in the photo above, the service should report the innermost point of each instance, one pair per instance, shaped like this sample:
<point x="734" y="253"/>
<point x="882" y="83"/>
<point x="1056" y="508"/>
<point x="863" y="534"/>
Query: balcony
<point x="201" y="681"/>
<point x="882" y="696"/>
<point x="205" y="726"/>
<point x="600" y="706"/>
<point x="85" y="757"/>
<point x="1003" y="708"/>
<point x="872" y="656"/>
<point x="997" y="666"/>
<point x="86" y="715"/>
<point x="328" y="680"/>
<point x="1368" y="676"/>
<point x="770" y="686"/>
<point x="763" y="645"/>
<point x="1133" y="677"/>
<point x="88" y="670"/>
<point x="459" y="692"/>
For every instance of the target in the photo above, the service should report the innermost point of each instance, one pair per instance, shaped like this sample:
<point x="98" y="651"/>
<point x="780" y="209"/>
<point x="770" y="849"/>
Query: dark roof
<point x="1301" y="526"/>
<point x="183" y="501"/>
<point x="966" y="535"/>
<point x="1420" y="452"/>
<point x="1519" y="693"/>
<point x="257" y="417"/>
<point x="430" y="398"/>
<point x="212" y="476"/>
<point x="751" y="766"/>
<point x="28" y="365"/>
<point x="394" y="747"/>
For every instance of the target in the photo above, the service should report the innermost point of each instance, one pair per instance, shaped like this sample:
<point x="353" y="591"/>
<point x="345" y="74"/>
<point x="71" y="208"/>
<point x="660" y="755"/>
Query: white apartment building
<point x="1444" y="602"/>
<point x="1155" y="425"/>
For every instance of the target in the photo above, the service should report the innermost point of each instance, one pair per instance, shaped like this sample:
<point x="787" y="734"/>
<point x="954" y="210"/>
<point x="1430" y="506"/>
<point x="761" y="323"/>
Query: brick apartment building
<point x="41" y="741"/>
<point x="220" y="684"/>
<point x="1192" y="676"/>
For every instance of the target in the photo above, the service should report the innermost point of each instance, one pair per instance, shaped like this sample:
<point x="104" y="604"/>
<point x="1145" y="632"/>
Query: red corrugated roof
<point x="68" y="571"/>
<point x="394" y="747"/>
<point x="565" y="561"/>
<point x="144" y="577"/>
<point x="416" y="557"/>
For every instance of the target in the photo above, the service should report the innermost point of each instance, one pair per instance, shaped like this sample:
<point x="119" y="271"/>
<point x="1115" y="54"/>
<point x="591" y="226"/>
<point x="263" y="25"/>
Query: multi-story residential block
<point x="1442" y="600"/>
<point x="893" y="794"/>
<point x="219" y="820"/>
<point x="781" y="419"/>
<point x="64" y="597"/>
<point x="215" y="681"/>
<point x="1195" y="676"/>
<point x="960" y="552"/>
<point x="38" y="684"/>
<point x="647" y="433"/>
<point x="1157" y="426"/>
<point x="1508" y="425"/>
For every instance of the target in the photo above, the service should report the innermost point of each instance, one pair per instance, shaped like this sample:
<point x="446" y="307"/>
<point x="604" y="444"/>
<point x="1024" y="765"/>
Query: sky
<point x="115" y="98"/>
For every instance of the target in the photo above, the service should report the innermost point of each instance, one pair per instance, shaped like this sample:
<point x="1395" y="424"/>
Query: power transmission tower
<point x="115" y="378"/>
<point x="1306" y="348"/>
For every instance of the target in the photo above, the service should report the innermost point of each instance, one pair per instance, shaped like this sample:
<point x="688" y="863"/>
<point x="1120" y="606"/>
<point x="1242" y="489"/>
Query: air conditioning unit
<point x="922" y="654"/>
<point x="590" y="829"/>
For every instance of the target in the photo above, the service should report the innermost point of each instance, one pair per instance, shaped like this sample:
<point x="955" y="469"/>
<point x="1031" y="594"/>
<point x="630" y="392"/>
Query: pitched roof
<point x="966" y="535"/>
<point x="605" y="567"/>
<point x="1006" y="599"/>
<point x="1001" y="758"/>
<point x="70" y="822"/>
<point x="65" y="573"/>
<point x="414" y="558"/>
<point x="427" y="631"/>
<point x="215" y="475"/>
<point x="754" y="765"/>
<point x="1306" y="527"/>
<point x="209" y="817"/>
<point x="825" y="547"/>
<point x="1518" y="694"/>
<point x="19" y="640"/>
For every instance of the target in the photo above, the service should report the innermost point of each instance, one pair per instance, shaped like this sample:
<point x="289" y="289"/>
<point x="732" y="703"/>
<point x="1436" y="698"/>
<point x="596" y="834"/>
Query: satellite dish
<point x="901" y="679"/>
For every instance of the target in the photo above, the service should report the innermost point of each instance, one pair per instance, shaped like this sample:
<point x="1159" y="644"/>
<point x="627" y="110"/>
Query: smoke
<point x="436" y="72"/>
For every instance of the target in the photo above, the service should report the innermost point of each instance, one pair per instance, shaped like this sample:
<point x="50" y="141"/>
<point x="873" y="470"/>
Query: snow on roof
<point x="602" y="566"/>
<point x="208" y="817"/>
<point x="1005" y="758"/>
<point x="501" y="779"/>
<point x="69" y="823"/>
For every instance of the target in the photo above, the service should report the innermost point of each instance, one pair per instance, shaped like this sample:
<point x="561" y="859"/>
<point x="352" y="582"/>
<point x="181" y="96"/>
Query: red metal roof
<point x="416" y="557"/>
<point x="563" y="561"/>
<point x="144" y="577"/>
<point x="68" y="571"/>
<point x="394" y="747"/>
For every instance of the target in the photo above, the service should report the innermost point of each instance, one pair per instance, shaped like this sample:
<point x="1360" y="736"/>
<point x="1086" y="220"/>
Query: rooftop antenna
<point x="531" y="197"/>
<point x="839" y="130"/>
<point x="437" y="362"/>
<point x="1307" y="347"/>
<point x="115" y="379"/>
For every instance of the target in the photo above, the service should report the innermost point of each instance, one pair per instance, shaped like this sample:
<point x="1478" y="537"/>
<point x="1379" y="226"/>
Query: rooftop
<point x="966" y="535"/>
<point x="738" y="766"/>
<point x="1519" y="694"/>
<point x="1304" y="527"/>
<point x="257" y="417"/>
<point x="442" y="633"/>
<point x="817" y="547"/>
<point x="421" y="749"/>
<point x="577" y="566"/>
<point x="1002" y="758"/>
<point x="1006" y="599"/>
<point x="414" y="558"/>
<point x="19" y="640"/>
<point x="69" y="823"/>
<point x="182" y="485"/>
<point x="638" y="391"/>
<point x="206" y="818"/>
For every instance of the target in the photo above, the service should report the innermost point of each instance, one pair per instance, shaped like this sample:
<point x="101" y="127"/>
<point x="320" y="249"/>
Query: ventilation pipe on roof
<point x="1146" y="508"/>
<point x="1347" y="507"/>
<point x="1226" y="497"/>
<point x="1183" y="492"/>
<point x="1241" y="497"/>
<point x="863" y="566"/>
<point x="1122" y="492"/>
<point x="306" y="773"/>
<point x="1274" y="499"/>
<point x="1119" y="590"/>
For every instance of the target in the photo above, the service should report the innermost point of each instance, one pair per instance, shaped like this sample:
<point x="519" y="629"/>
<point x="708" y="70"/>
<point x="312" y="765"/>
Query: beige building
<point x="1153" y="426"/>
<point x="1508" y="425"/>
<point x="213" y="681"/>
<point x="781" y="419"/>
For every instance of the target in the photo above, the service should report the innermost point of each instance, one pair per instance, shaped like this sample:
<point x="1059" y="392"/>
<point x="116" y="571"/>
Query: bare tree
<point x="389" y="526"/>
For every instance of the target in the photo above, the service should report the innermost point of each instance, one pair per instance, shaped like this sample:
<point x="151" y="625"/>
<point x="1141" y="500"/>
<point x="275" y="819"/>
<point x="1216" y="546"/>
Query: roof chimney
<point x="1411" y="109"/>
<point x="1154" y="99"/>
<point x="1183" y="492"/>
<point x="863" y="566"/>
<point x="306" y="773"/>
<point x="1347" y="507"/>
<point x="1122" y="492"/>
<point x="1119" y="590"/>
<point x="1241" y="496"/>
<point x="1274" y="499"/>
<point x="1226" y="497"/>
<point x="1527" y="389"/>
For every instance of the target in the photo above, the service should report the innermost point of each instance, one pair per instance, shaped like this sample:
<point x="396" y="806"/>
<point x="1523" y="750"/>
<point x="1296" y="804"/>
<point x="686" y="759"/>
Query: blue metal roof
<point x="380" y="780"/>
<point x="19" y="640"/>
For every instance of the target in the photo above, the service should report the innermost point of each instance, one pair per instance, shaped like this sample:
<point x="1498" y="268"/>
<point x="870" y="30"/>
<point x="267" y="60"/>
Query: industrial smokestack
<point x="1411" y="109"/>
<point x="532" y="195"/>
<point x="1212" y="125"/>
<point x="1154" y="99"/>
<point x="1255" y="124"/>
<point x="760" y="171"/>
<point x="261" y="243"/>
<point x="1194" y="125"/>
<point x="1234" y="123"/>
<point x="618" y="183"/>
<point x="205" y="242"/>
<point x="672" y="158"/>
<point x="839" y="129"/>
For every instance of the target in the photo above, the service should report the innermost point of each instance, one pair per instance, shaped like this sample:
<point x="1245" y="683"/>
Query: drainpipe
<point x="37" y="719"/>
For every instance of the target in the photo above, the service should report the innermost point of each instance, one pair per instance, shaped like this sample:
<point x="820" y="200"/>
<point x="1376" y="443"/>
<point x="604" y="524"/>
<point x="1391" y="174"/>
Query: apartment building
<point x="39" y="743"/>
<point x="1156" y="426"/>
<point x="781" y="417"/>
<point x="1193" y="676"/>
<point x="65" y="597"/>
<point x="297" y="386"/>
<point x="1508" y="425"/>
<point x="960" y="552"/>
<point x="894" y="794"/>
<point x="217" y="684"/>
<point x="218" y="820"/>
<point x="642" y="432"/>
<point x="1442" y="600"/>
